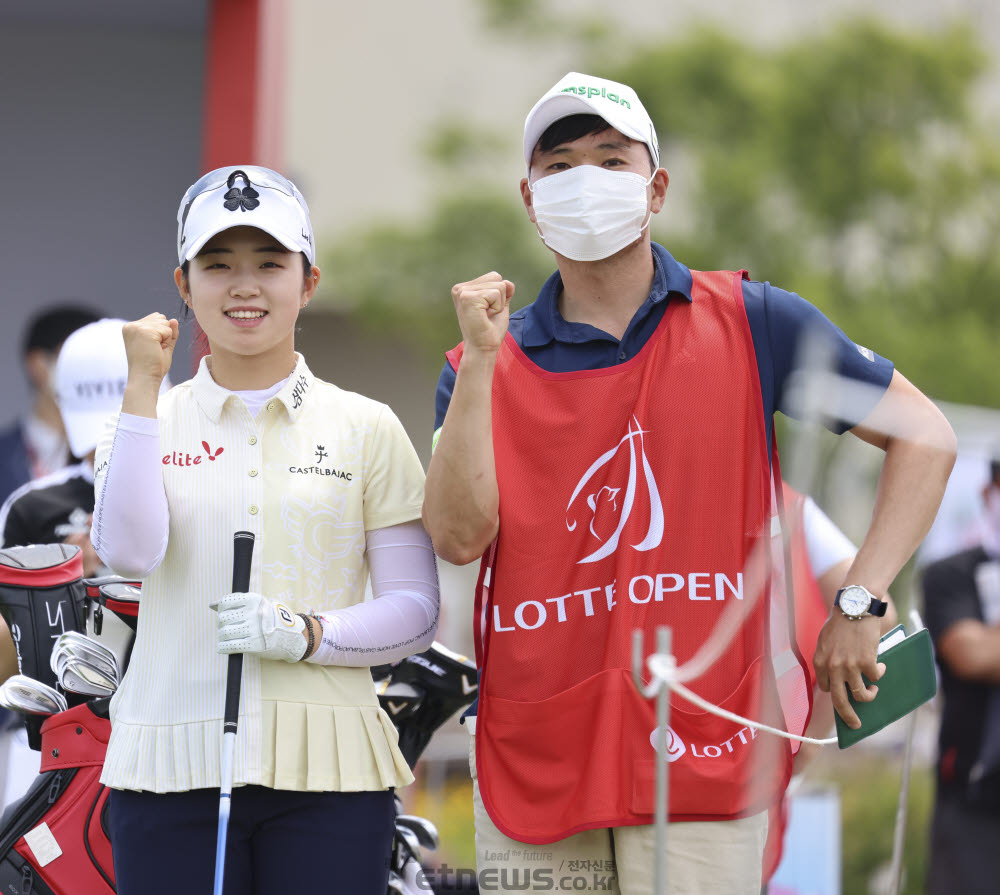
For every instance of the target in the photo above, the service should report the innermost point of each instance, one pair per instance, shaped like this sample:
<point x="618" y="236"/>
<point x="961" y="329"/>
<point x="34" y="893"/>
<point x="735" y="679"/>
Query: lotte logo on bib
<point x="675" y="745"/>
<point x="607" y="501"/>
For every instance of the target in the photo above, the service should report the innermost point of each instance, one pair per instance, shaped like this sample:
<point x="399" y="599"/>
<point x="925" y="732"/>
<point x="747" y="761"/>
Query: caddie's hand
<point x="845" y="650"/>
<point x="251" y="623"/>
<point x="149" y="346"/>
<point x="483" y="309"/>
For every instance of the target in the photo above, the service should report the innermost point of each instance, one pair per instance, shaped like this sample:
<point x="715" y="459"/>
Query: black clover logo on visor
<point x="246" y="199"/>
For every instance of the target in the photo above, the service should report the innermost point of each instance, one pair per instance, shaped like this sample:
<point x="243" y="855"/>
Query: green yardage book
<point x="909" y="681"/>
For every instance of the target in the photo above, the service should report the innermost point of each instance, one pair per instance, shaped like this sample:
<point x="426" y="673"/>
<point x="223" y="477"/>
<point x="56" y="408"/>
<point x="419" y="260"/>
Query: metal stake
<point x="663" y="646"/>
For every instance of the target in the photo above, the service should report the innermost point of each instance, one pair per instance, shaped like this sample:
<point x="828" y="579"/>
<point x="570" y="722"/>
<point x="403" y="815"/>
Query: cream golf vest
<point x="315" y="470"/>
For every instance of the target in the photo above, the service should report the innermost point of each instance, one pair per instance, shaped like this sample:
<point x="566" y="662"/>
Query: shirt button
<point x="270" y="405"/>
<point x="253" y="473"/>
<point x="621" y="355"/>
<point x="252" y="439"/>
<point x="253" y="511"/>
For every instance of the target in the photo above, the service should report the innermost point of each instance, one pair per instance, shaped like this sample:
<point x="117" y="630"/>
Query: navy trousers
<point x="279" y="841"/>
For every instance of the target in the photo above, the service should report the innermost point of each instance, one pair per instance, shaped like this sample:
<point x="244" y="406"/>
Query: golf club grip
<point x="242" y="557"/>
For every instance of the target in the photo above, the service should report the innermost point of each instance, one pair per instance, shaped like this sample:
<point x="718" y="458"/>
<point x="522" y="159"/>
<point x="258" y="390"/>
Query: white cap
<point x="90" y="377"/>
<point x="578" y="94"/>
<point x="243" y="196"/>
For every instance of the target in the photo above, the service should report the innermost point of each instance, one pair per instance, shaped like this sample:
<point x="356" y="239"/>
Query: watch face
<point x="854" y="600"/>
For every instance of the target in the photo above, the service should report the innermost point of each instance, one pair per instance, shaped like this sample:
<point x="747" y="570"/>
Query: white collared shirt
<point x="309" y="475"/>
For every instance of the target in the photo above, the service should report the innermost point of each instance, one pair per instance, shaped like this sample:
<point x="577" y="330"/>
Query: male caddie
<point x="607" y="450"/>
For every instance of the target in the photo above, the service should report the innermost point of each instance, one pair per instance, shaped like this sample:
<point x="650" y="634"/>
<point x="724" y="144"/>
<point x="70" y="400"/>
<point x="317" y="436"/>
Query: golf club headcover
<point x="41" y="596"/>
<point x="112" y="607"/>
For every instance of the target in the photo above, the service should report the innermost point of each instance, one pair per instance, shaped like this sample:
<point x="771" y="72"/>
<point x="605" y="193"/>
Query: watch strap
<point x="877" y="607"/>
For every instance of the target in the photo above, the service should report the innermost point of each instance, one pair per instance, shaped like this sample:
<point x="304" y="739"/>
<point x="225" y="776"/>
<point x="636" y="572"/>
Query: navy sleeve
<point x="781" y="323"/>
<point x="442" y="398"/>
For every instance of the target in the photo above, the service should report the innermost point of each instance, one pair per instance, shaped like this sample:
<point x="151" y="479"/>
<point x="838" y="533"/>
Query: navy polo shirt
<point x="779" y="321"/>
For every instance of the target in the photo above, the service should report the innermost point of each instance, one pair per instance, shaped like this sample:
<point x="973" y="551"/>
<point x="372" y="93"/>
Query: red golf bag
<point x="54" y="841"/>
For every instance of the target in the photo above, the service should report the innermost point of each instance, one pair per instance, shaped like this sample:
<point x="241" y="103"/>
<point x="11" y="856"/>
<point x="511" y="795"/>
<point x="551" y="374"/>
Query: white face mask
<point x="589" y="213"/>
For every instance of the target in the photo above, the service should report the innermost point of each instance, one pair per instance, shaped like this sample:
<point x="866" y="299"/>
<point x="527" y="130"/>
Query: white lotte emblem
<point x="606" y="499"/>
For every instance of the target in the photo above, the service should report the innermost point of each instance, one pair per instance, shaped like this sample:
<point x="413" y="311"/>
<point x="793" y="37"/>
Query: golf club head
<point x="75" y="640"/>
<point x="75" y="678"/>
<point x="31" y="697"/>
<point x="84" y="669"/>
<point x="75" y="646"/>
<point x="93" y="674"/>
<point x="412" y="842"/>
<point x="423" y="829"/>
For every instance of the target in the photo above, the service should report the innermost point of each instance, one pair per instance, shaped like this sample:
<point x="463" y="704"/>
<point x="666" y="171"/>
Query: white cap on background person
<point x="578" y="94"/>
<point x="90" y="377"/>
<point x="243" y="196"/>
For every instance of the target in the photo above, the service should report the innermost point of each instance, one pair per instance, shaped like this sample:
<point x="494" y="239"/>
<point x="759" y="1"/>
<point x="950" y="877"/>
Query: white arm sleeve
<point x="826" y="544"/>
<point x="131" y="519"/>
<point x="403" y="617"/>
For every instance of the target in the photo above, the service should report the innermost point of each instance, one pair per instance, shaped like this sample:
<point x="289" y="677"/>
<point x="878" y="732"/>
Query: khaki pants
<point x="708" y="858"/>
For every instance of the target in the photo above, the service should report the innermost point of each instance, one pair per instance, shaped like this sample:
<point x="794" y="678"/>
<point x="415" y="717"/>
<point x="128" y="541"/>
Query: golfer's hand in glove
<point x="251" y="623"/>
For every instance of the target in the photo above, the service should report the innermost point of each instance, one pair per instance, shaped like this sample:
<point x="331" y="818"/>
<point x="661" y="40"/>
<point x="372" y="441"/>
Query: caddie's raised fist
<point x="149" y="346"/>
<point x="483" y="309"/>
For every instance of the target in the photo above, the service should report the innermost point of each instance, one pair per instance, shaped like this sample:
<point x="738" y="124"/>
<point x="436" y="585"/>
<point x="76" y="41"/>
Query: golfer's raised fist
<point x="149" y="345"/>
<point x="483" y="309"/>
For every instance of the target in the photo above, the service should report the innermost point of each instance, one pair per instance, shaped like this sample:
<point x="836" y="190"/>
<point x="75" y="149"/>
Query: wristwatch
<point x="856" y="602"/>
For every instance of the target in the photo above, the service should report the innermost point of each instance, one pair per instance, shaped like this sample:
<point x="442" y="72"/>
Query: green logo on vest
<point x="602" y="92"/>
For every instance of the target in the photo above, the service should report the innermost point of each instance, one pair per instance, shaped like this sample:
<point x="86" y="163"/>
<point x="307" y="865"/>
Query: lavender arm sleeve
<point x="403" y="617"/>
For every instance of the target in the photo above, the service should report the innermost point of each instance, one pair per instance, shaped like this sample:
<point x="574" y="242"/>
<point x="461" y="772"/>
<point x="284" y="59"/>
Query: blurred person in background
<point x="962" y="612"/>
<point x="88" y="384"/>
<point x="35" y="444"/>
<point x="31" y="447"/>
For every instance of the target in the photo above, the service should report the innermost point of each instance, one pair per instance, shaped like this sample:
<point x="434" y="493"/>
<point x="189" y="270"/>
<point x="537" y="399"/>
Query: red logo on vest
<point x="175" y="458"/>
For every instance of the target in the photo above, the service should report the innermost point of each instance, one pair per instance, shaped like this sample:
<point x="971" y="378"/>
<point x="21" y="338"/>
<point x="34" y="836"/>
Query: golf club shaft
<point x="242" y="556"/>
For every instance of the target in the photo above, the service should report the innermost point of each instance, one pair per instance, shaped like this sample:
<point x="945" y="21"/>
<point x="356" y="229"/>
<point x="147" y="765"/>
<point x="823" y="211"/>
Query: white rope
<point x="663" y="670"/>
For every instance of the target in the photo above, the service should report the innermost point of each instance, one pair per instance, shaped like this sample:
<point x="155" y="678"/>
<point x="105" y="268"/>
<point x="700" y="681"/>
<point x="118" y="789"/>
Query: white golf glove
<point x="251" y="623"/>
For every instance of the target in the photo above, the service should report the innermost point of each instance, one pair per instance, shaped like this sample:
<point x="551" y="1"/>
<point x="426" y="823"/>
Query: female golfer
<point x="332" y="488"/>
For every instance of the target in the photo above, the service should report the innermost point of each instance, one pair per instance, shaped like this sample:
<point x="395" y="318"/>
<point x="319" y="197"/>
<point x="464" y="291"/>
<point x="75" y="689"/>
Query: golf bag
<point x="420" y="693"/>
<point x="54" y="841"/>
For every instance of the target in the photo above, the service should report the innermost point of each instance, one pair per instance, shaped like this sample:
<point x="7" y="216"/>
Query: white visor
<point x="243" y="196"/>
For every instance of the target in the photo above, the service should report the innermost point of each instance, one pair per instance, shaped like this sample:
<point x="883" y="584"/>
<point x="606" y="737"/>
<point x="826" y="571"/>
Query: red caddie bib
<point x="630" y="498"/>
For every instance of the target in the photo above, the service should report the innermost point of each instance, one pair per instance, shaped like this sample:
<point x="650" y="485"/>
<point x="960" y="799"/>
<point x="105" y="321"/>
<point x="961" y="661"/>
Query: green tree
<point x="851" y="167"/>
<point x="399" y="278"/>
